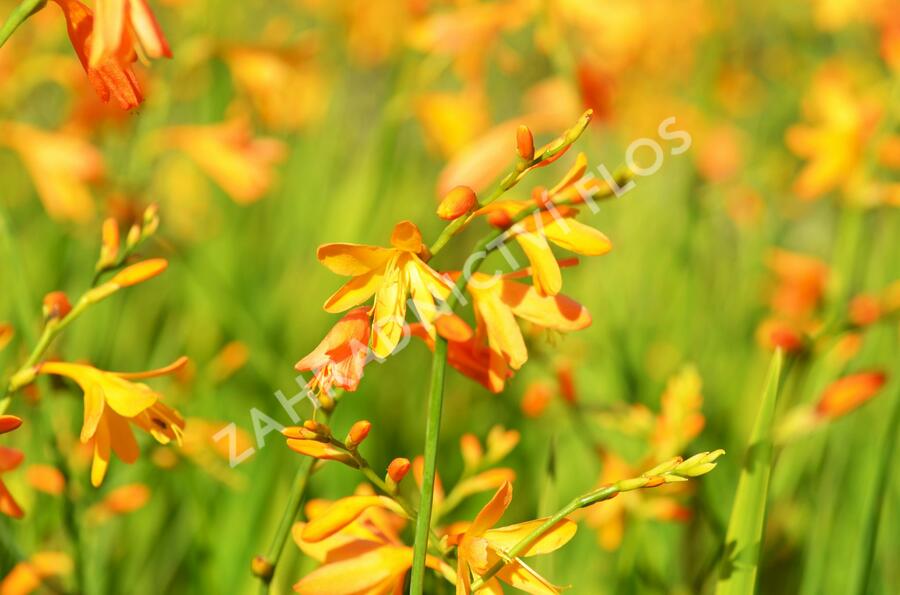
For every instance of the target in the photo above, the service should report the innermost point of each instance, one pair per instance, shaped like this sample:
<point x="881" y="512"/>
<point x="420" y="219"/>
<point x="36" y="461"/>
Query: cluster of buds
<point x="673" y="471"/>
<point x="315" y="439"/>
<point x="112" y="253"/>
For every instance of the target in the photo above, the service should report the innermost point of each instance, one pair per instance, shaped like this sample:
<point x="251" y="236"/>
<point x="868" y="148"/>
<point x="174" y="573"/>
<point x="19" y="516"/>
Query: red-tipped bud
<point x="525" y="143"/>
<point x="358" y="433"/>
<point x="56" y="305"/>
<point x="849" y="393"/>
<point x="566" y="381"/>
<point x="864" y="310"/>
<point x="456" y="203"/>
<point x="398" y="469"/>
<point x="537" y="397"/>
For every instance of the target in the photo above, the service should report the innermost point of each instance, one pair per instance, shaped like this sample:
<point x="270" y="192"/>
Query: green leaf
<point x="737" y="574"/>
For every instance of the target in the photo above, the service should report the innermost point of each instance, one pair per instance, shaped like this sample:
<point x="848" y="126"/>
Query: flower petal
<point x="559" y="535"/>
<point x="492" y="511"/>
<point x="359" y="574"/>
<point x="354" y="292"/>
<point x="353" y="259"/>
<point x="555" y="312"/>
<point x="544" y="268"/>
<point x="577" y="237"/>
<point x="342" y="513"/>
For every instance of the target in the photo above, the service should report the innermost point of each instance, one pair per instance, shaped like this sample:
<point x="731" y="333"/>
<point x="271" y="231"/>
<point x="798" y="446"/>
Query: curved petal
<point x="359" y="574"/>
<point x="557" y="536"/>
<point x="390" y="310"/>
<point x="353" y="260"/>
<point x="101" y="454"/>
<point x="492" y="511"/>
<point x="577" y="237"/>
<point x="128" y="399"/>
<point x="504" y="335"/>
<point x="94" y="403"/>
<point x="10" y="458"/>
<point x="559" y="312"/>
<point x="354" y="292"/>
<point x="8" y="504"/>
<point x="342" y="513"/>
<point x="520" y="576"/>
<point x="121" y="438"/>
<point x="544" y="268"/>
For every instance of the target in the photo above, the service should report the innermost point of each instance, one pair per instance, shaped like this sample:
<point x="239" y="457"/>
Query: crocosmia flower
<point x="339" y="359"/>
<point x="123" y="26"/>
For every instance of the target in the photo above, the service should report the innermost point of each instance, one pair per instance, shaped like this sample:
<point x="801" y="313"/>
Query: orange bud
<point x="8" y="423"/>
<point x="398" y="469"/>
<point x="358" y="433"/>
<point x="500" y="219"/>
<point x="109" y="246"/>
<point x="299" y="433"/>
<point x="456" y="203"/>
<point x="56" y="305"/>
<point x="46" y="479"/>
<point x="566" y="382"/>
<point x="453" y="328"/>
<point x="848" y="393"/>
<point x="140" y="272"/>
<point x="472" y="452"/>
<point x="317" y="428"/>
<point x="864" y="310"/>
<point x="125" y="499"/>
<point x="772" y="334"/>
<point x="537" y="397"/>
<point x="525" y="143"/>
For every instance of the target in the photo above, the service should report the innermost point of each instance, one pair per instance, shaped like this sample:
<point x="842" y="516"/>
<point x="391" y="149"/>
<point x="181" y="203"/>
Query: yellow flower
<point x="558" y="225"/>
<point x="111" y="400"/>
<point x="356" y="540"/>
<point x="391" y="275"/>
<point x="479" y="547"/>
<point x="497" y="303"/>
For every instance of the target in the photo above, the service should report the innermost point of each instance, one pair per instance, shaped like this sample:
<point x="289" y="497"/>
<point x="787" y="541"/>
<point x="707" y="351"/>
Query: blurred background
<point x="280" y="126"/>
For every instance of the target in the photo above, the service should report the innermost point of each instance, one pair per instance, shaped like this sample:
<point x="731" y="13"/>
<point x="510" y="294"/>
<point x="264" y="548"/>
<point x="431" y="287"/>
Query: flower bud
<point x="398" y="469"/>
<point x="849" y="393"/>
<point x="864" y="310"/>
<point x="317" y="428"/>
<point x="357" y="434"/>
<point x="525" y="143"/>
<point x="472" y="453"/>
<point x="109" y="244"/>
<point x="537" y="397"/>
<point x="151" y="220"/>
<point x="140" y="272"/>
<point x="134" y="236"/>
<point x="56" y="305"/>
<point x="262" y="568"/>
<point x="456" y="203"/>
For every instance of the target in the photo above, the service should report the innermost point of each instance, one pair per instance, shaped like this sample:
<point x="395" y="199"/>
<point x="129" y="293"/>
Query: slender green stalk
<point x="743" y="540"/>
<point x="876" y="504"/>
<point x="432" y="435"/>
<point x="19" y="15"/>
<point x="264" y="569"/>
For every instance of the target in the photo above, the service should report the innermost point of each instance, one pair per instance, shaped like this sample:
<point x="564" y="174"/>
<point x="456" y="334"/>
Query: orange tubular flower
<point x="110" y="75"/>
<point x="357" y="541"/>
<point x="10" y="458"/>
<point x="557" y="225"/>
<point x="111" y="400"/>
<point x="390" y="274"/>
<point x="479" y="547"/>
<point x="498" y="302"/>
<point x="470" y="357"/>
<point x="339" y="359"/>
<point x="848" y="393"/>
<point x="124" y="26"/>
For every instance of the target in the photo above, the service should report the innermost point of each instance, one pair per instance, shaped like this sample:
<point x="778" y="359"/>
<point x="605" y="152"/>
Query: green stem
<point x="19" y="15"/>
<point x="291" y="510"/>
<point x="432" y="434"/>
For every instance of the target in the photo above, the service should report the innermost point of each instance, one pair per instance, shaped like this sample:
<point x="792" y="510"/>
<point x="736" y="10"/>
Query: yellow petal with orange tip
<point x="343" y="512"/>
<point x="557" y="536"/>
<point x="354" y="292"/>
<point x="544" y="269"/>
<point x="320" y="550"/>
<point x="352" y="259"/>
<point x="317" y="450"/>
<point x="139" y="272"/>
<point x="46" y="479"/>
<point x="361" y="574"/>
<point x="557" y="312"/>
<point x="849" y="393"/>
<point x="520" y="576"/>
<point x="577" y="237"/>
<point x="8" y="423"/>
<point x="492" y="511"/>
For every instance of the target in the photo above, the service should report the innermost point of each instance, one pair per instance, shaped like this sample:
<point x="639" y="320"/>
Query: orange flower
<point x="46" y="479"/>
<point x="391" y="275"/>
<point x="470" y="357"/>
<point x="110" y="402"/>
<point x="61" y="166"/>
<point x="536" y="399"/>
<point x="111" y="74"/>
<point x="848" y="393"/>
<point x="124" y="26"/>
<point x="120" y="501"/>
<point x="801" y="282"/>
<point x="497" y="303"/>
<point x="10" y="458"/>
<point x="26" y="576"/>
<point x="532" y="233"/>
<point x="357" y="541"/>
<point x="228" y="153"/>
<point x="339" y="359"/>
<point x="479" y="547"/>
